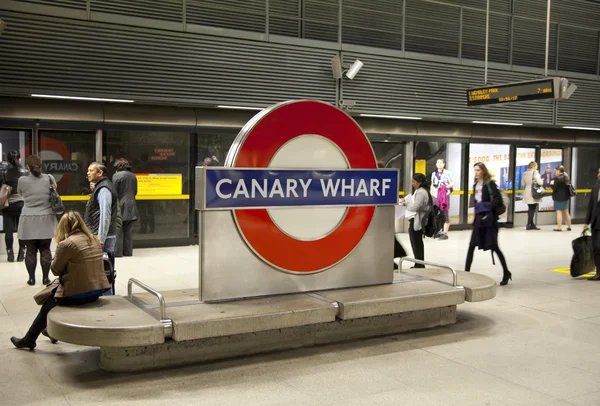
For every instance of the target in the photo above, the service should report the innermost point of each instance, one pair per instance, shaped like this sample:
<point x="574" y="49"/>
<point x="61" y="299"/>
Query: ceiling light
<point x="397" y="117"/>
<point x="495" y="123"/>
<point x="51" y="96"/>
<point x="240" y="107"/>
<point x="568" y="127"/>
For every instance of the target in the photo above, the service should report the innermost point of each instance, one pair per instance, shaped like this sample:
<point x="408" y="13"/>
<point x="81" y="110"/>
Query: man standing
<point x="592" y="219"/>
<point x="101" y="210"/>
<point x="126" y="185"/>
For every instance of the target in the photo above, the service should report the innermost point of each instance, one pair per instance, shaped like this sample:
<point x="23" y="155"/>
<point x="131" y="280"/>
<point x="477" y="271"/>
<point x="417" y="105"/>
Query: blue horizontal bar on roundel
<point x="229" y="188"/>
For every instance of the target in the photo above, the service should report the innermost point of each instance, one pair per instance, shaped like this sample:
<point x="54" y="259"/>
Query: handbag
<point x="5" y="191"/>
<point x="572" y="191"/>
<point x="537" y="191"/>
<point x="582" y="261"/>
<point x="43" y="295"/>
<point x="55" y="201"/>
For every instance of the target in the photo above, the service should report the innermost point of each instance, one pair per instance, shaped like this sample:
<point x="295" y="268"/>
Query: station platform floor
<point x="536" y="343"/>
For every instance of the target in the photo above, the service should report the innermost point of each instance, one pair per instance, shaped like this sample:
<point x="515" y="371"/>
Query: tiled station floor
<point x="536" y="343"/>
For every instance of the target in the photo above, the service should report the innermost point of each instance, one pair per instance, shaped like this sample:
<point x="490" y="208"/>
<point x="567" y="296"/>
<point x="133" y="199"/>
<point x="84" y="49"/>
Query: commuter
<point x="592" y="219"/>
<point x="37" y="223"/>
<point x="560" y="195"/>
<point x="441" y="180"/>
<point x="10" y="175"/>
<point x="80" y="271"/>
<point x="418" y="203"/>
<point x="125" y="184"/>
<point x="530" y="178"/>
<point x="101" y="210"/>
<point x="485" y="225"/>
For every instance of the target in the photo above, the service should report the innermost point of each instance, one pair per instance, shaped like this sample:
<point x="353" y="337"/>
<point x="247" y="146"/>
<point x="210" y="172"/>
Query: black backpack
<point x="433" y="221"/>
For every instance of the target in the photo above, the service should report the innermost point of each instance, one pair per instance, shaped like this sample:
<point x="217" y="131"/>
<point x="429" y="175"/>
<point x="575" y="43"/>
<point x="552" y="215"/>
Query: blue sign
<point x="227" y="188"/>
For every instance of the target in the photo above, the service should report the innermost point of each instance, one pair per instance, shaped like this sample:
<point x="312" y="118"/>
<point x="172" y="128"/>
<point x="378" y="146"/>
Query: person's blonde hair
<point x="532" y="165"/>
<point x="72" y="222"/>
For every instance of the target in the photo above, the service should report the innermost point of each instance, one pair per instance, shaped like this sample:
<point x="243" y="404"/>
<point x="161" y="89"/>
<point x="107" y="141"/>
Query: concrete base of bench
<point x="176" y="353"/>
<point x="131" y="337"/>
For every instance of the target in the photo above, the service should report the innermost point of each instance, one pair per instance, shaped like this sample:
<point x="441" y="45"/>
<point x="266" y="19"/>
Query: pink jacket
<point x="442" y="198"/>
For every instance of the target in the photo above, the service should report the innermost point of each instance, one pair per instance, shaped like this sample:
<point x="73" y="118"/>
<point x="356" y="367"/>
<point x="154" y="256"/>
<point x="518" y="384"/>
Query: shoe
<point x="536" y="228"/>
<point x="23" y="343"/>
<point x="21" y="255"/>
<point x="45" y="334"/>
<point x="568" y="228"/>
<point x="595" y="277"/>
<point x="31" y="281"/>
<point x="11" y="255"/>
<point x="507" y="277"/>
<point x="443" y="237"/>
<point x="557" y="229"/>
<point x="46" y="281"/>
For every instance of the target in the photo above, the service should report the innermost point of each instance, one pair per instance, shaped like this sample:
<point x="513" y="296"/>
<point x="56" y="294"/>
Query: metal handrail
<point x="420" y="262"/>
<point x="168" y="323"/>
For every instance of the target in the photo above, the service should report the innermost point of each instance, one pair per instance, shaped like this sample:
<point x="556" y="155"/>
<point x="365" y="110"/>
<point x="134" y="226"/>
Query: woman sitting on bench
<point x="81" y="279"/>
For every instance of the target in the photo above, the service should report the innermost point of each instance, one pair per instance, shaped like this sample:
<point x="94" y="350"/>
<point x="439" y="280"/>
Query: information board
<point x="514" y="92"/>
<point x="150" y="184"/>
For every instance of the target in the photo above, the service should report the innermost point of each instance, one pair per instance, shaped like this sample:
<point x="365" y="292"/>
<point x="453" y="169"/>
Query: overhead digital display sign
<point x="542" y="89"/>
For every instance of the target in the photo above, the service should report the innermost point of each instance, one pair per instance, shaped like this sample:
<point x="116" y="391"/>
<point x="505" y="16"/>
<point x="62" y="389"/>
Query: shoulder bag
<point x="572" y="191"/>
<point x="55" y="201"/>
<point x="5" y="191"/>
<point x="537" y="191"/>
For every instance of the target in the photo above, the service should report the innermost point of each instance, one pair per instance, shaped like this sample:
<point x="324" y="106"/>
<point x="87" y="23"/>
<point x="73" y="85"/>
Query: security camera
<point x="353" y="71"/>
<point x="336" y="67"/>
<point x="2" y="26"/>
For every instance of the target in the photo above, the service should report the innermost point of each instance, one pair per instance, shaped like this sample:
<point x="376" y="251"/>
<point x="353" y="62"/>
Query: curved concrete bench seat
<point x="477" y="287"/>
<point x="111" y="321"/>
<point x="131" y="337"/>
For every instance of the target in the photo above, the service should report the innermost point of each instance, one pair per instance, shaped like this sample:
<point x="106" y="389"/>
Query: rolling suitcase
<point x="111" y="273"/>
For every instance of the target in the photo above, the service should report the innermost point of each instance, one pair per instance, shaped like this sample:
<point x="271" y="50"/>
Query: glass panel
<point x="14" y="140"/>
<point x="497" y="160"/>
<point x="213" y="147"/>
<point x="524" y="157"/>
<point x="66" y="156"/>
<point x="586" y="161"/>
<point x="549" y="160"/>
<point x="161" y="162"/>
<point x="427" y="155"/>
<point x="392" y="156"/>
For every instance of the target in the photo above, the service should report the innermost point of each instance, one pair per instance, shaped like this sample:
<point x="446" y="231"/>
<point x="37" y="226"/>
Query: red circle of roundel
<point x="273" y="130"/>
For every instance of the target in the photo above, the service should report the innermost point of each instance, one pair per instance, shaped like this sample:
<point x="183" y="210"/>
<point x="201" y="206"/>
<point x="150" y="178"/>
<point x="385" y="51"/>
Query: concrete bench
<point x="132" y="337"/>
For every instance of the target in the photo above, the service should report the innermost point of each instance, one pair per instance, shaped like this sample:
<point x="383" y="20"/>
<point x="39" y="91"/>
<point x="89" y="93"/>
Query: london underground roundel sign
<point x="302" y="182"/>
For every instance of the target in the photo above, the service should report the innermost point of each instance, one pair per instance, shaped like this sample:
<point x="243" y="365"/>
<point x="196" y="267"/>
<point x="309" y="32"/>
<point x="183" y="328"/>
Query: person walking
<point x="441" y="180"/>
<point x="418" y="203"/>
<point x="101" y="209"/>
<point x="78" y="264"/>
<point x="592" y="219"/>
<point x="10" y="215"/>
<point x="125" y="183"/>
<point x="485" y="226"/>
<point x="38" y="221"/>
<point x="530" y="178"/>
<point x="560" y="196"/>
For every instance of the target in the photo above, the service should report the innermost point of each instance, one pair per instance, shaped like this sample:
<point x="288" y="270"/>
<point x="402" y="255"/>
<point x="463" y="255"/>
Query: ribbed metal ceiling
<point x="427" y="89"/>
<point x="78" y="58"/>
<point x="583" y="108"/>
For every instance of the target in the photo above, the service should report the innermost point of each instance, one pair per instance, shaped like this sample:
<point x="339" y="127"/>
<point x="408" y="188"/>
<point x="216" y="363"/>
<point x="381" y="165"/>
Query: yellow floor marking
<point x="568" y="271"/>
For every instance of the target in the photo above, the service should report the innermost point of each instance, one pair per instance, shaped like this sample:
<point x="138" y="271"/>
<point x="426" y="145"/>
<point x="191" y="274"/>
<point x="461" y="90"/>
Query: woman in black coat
<point x="561" y="196"/>
<point x="10" y="175"/>
<point x="125" y="184"/>
<point x="485" y="226"/>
